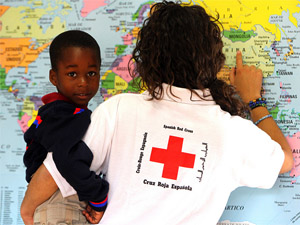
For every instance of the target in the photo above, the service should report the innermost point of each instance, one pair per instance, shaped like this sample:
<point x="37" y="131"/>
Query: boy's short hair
<point x="71" y="38"/>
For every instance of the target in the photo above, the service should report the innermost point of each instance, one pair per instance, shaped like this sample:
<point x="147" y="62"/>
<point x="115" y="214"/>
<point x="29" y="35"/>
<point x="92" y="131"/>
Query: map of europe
<point x="267" y="32"/>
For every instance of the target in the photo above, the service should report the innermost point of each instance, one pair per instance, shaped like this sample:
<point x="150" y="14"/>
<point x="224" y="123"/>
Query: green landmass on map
<point x="3" y="86"/>
<point x="120" y="49"/>
<point x="239" y="35"/>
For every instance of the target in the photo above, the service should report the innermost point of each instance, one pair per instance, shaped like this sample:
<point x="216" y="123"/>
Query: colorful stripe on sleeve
<point x="98" y="205"/>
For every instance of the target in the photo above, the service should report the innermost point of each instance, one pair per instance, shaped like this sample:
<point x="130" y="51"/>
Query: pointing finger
<point x="239" y="59"/>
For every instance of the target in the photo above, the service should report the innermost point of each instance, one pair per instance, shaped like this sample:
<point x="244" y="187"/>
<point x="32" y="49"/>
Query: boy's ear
<point x="53" y="77"/>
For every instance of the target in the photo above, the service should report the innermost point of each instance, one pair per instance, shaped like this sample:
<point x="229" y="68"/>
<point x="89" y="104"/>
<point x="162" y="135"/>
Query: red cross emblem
<point x="172" y="158"/>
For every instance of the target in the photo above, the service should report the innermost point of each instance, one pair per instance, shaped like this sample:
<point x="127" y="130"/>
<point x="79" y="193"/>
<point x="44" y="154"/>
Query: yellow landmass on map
<point x="29" y="109"/>
<point x="18" y="52"/>
<point x="239" y="14"/>
<point x="224" y="74"/>
<point x="103" y="77"/>
<point x="253" y="50"/>
<point x="120" y="84"/>
<point x="291" y="50"/>
<point x="253" y="54"/>
<point x="113" y="92"/>
<point x="33" y="116"/>
<point x="135" y="32"/>
<point x="34" y="22"/>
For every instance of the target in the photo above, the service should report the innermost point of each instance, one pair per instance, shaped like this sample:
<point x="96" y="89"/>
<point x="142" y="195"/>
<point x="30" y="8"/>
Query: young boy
<point x="61" y="124"/>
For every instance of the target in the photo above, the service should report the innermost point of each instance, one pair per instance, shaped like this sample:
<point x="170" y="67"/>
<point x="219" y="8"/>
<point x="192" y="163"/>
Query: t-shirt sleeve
<point x="65" y="188"/>
<point x="259" y="160"/>
<point x="100" y="133"/>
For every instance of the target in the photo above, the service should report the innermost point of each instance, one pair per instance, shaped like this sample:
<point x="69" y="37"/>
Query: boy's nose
<point x="82" y="81"/>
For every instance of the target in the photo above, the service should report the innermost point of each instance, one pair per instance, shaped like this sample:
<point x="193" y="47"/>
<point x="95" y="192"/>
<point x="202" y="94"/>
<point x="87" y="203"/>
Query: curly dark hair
<point x="181" y="45"/>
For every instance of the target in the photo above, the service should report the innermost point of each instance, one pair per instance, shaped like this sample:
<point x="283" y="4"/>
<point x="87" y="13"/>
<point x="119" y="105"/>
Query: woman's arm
<point x="41" y="188"/>
<point x="248" y="82"/>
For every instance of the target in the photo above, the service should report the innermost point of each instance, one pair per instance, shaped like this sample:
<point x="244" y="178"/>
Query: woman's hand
<point x="246" y="79"/>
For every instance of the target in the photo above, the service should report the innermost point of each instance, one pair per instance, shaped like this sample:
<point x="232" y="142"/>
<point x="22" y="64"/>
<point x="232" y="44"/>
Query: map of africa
<point x="267" y="32"/>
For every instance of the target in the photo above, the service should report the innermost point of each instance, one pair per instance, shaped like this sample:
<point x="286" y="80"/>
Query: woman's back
<point x="175" y="161"/>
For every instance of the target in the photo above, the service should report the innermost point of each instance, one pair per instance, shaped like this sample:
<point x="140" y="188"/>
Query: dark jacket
<point x="59" y="128"/>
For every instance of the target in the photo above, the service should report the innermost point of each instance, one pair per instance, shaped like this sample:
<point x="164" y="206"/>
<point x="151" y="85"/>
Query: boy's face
<point x="77" y="76"/>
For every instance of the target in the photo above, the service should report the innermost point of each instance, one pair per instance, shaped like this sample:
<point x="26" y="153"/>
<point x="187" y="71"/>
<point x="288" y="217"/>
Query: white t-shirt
<point x="174" y="161"/>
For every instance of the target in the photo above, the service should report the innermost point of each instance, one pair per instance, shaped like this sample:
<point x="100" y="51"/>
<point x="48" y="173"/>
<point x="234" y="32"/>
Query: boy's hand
<point x="246" y="79"/>
<point x="92" y="216"/>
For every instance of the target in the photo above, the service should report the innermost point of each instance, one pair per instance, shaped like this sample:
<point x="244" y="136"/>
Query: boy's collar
<point x="54" y="96"/>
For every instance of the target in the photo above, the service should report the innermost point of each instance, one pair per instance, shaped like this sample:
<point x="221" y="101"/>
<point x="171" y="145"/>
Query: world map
<point x="267" y="32"/>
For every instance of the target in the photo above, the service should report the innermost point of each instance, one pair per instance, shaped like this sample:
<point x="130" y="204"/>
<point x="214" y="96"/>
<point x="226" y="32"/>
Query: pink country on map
<point x="284" y="93"/>
<point x="23" y="122"/>
<point x="91" y="5"/>
<point x="127" y="39"/>
<point x="295" y="145"/>
<point x="29" y="112"/>
<point x="274" y="48"/>
<point x="122" y="69"/>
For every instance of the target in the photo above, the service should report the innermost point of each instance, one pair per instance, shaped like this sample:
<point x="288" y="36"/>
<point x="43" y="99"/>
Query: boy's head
<point x="72" y="38"/>
<point x="179" y="45"/>
<point x="75" y="61"/>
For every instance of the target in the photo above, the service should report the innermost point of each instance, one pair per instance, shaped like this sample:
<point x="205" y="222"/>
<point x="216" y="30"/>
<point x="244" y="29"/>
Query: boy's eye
<point x="91" y="73"/>
<point x="72" y="74"/>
